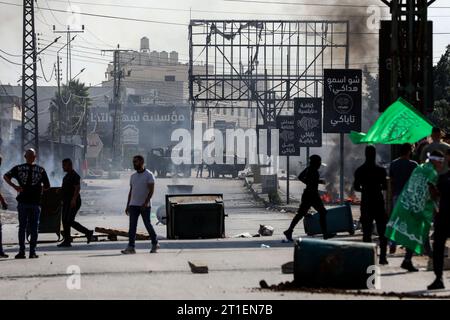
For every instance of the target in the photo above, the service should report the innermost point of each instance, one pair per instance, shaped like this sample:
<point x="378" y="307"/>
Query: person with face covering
<point x="311" y="197"/>
<point x="32" y="181"/>
<point x="371" y="180"/>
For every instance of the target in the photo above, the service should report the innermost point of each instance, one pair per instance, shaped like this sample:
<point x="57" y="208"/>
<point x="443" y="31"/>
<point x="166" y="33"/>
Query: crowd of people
<point x="420" y="195"/>
<point x="30" y="180"/>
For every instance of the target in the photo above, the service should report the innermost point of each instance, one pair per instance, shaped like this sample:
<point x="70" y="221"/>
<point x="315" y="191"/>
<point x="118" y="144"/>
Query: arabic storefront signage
<point x="146" y="126"/>
<point x="342" y="100"/>
<point x="287" y="140"/>
<point x="308" y="121"/>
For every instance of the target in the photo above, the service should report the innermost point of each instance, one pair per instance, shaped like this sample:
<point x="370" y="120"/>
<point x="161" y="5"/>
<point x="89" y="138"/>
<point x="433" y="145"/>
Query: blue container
<point x="339" y="219"/>
<point x="333" y="264"/>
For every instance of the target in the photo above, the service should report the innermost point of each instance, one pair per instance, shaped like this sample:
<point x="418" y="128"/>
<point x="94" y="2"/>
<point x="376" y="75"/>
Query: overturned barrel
<point x="333" y="264"/>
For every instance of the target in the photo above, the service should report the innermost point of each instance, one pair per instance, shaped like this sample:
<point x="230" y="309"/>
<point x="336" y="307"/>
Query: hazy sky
<point x="104" y="33"/>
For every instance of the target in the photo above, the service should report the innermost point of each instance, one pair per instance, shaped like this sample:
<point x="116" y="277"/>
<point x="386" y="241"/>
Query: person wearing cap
<point x="441" y="228"/>
<point x="371" y="181"/>
<point x="311" y="197"/>
<point x="4" y="206"/>
<point x="437" y="144"/>
<point x="32" y="180"/>
<point x="411" y="219"/>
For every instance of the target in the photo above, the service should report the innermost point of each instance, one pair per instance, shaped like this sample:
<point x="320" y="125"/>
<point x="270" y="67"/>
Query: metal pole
<point x="287" y="180"/>
<point x="342" y="135"/>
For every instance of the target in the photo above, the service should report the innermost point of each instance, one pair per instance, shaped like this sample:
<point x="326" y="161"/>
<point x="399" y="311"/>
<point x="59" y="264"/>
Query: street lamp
<point x="81" y="71"/>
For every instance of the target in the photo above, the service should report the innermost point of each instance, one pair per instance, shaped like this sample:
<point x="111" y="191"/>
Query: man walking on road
<point x="32" y="181"/>
<point x="71" y="204"/>
<point x="441" y="228"/>
<point x="142" y="186"/>
<point x="371" y="180"/>
<point x="310" y="198"/>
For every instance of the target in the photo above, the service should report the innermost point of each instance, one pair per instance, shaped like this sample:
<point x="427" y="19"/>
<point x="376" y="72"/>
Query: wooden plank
<point x="121" y="233"/>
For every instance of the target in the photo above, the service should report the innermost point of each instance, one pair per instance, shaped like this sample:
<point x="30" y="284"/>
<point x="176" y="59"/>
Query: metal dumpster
<point x="339" y="219"/>
<point x="195" y="216"/>
<point x="51" y="212"/>
<point x="333" y="264"/>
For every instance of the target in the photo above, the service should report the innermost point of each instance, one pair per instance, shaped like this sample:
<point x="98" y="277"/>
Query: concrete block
<point x="198" y="267"/>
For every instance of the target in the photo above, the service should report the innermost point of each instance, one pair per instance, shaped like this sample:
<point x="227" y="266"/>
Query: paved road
<point x="236" y="265"/>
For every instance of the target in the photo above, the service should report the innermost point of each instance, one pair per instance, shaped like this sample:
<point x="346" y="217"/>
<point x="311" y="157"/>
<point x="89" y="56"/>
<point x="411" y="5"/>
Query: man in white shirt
<point x="142" y="186"/>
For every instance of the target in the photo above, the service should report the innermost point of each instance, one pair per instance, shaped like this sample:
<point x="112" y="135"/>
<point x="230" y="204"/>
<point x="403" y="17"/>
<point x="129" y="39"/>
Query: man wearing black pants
<point x="310" y="198"/>
<point x="71" y="201"/>
<point x="370" y="180"/>
<point x="441" y="228"/>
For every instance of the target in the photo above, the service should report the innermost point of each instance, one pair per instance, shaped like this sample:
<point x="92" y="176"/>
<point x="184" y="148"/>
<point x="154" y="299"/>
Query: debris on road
<point x="265" y="231"/>
<point x="264" y="246"/>
<point x="198" y="267"/>
<point x="121" y="233"/>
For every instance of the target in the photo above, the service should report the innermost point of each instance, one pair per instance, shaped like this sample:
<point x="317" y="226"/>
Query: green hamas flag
<point x="410" y="221"/>
<point x="400" y="123"/>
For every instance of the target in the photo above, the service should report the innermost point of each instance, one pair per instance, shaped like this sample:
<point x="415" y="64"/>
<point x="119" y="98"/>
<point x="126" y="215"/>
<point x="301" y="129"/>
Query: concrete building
<point x="10" y="116"/>
<point x="161" y="78"/>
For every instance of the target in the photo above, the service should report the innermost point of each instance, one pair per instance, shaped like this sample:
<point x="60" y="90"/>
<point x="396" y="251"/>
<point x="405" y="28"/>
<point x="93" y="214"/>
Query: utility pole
<point x="68" y="33"/>
<point x="30" y="130"/>
<point x="406" y="55"/>
<point x="117" y="108"/>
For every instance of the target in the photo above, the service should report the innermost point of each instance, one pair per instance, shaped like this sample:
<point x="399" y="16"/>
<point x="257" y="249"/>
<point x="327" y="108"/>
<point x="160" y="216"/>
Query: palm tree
<point x="69" y="110"/>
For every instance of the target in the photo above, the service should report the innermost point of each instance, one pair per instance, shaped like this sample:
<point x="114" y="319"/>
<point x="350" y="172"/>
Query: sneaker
<point x="89" y="236"/>
<point x="33" y="256"/>
<point x="128" y="250"/>
<point x="436" y="285"/>
<point x="20" y="255"/>
<point x="288" y="234"/>
<point x="3" y="255"/>
<point x="155" y="248"/>
<point x="64" y="245"/>
<point x="407" y="265"/>
<point x="383" y="261"/>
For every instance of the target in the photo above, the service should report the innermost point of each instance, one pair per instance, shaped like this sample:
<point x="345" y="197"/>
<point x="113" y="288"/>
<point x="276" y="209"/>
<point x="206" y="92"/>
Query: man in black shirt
<point x="370" y="180"/>
<point x="310" y="198"/>
<point x="71" y="204"/>
<point x="32" y="181"/>
<point x="441" y="228"/>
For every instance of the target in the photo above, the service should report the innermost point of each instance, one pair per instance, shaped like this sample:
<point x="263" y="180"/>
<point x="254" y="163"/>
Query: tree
<point x="69" y="110"/>
<point x="441" y="87"/>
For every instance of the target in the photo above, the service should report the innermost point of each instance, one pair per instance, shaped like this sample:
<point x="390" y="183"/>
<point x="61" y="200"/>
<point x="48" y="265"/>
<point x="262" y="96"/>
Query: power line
<point x="318" y="4"/>
<point x="104" y="16"/>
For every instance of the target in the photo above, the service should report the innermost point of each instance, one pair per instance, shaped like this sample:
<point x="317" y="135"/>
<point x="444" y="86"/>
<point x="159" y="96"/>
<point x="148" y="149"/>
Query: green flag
<point x="410" y="221"/>
<point x="400" y="123"/>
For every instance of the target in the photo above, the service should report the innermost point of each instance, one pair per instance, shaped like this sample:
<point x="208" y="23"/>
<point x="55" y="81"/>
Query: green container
<point x="51" y="210"/>
<point x="333" y="264"/>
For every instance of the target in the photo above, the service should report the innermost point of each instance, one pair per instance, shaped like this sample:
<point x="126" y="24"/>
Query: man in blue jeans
<point x="32" y="180"/>
<point x="142" y="186"/>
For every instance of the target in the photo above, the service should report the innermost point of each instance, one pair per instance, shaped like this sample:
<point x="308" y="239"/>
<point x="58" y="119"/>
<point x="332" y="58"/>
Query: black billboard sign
<point x="287" y="140"/>
<point x="308" y="122"/>
<point x="342" y="100"/>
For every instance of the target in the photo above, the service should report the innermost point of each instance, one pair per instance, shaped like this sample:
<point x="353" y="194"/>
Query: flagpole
<point x="342" y="135"/>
